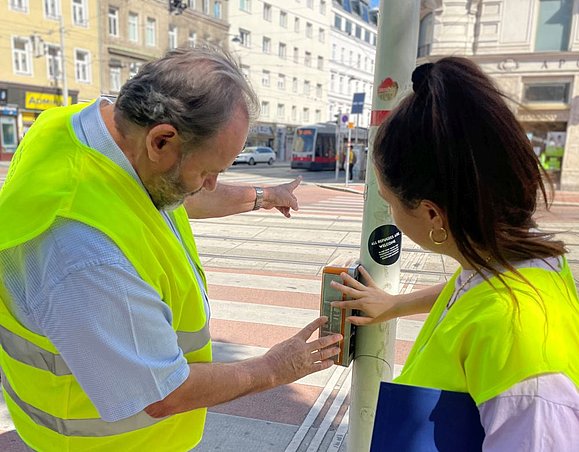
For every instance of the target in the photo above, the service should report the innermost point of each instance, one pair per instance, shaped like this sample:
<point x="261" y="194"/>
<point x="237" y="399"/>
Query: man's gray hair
<point x="196" y="90"/>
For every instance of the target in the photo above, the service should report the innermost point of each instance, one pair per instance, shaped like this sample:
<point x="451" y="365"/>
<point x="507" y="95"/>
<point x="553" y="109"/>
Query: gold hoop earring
<point x="437" y="242"/>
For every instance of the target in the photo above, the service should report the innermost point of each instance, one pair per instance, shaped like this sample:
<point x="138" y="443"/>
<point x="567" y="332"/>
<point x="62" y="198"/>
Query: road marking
<point x="331" y="414"/>
<point x="315" y="410"/>
<point x="341" y="432"/>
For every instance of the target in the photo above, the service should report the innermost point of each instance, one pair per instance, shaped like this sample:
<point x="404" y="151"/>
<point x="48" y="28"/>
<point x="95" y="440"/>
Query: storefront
<point x="20" y="105"/>
<point x="8" y="131"/>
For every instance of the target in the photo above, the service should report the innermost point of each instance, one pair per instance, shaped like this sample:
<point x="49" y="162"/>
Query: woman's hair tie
<point x="420" y="74"/>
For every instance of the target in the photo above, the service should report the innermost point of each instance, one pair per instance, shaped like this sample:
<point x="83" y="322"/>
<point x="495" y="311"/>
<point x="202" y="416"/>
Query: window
<point x="52" y="9"/>
<point x="82" y="66"/>
<point x="192" y="39"/>
<point x="297" y="24"/>
<point x="22" y="56"/>
<point x="320" y="63"/>
<point x="310" y="4"/>
<point x="206" y="4"/>
<point x="306" y="87"/>
<point x="554" y="25"/>
<point x="367" y="36"/>
<point x="281" y="111"/>
<point x="53" y="62"/>
<point x="266" y="45"/>
<point x="114" y="22"/>
<point x="265" y="78"/>
<point x="115" y="79"/>
<point x="294" y="113"/>
<point x="322" y="35"/>
<point x="318" y="115"/>
<point x="134" y="69"/>
<point x="283" y="19"/>
<point x="79" y="15"/>
<point x="351" y="59"/>
<point x="309" y="30"/>
<point x="348" y="28"/>
<point x="282" y="50"/>
<point x="546" y="92"/>
<point x="359" y="62"/>
<point x="191" y="4"/>
<point x="332" y="82"/>
<point x="133" y="27"/>
<point x="342" y="55"/>
<point x="425" y="36"/>
<point x="358" y="32"/>
<point x="245" y="5"/>
<point x="19" y="5"/>
<point x="217" y="9"/>
<point x="245" y="38"/>
<point x="323" y="7"/>
<point x="296" y="55"/>
<point x="151" y="32"/>
<point x="281" y="82"/>
<point x="338" y="22"/>
<point x="172" y="37"/>
<point x="245" y="71"/>
<point x="267" y="12"/>
<point x="294" y="85"/>
<point x="306" y="115"/>
<point x="341" y="85"/>
<point x="319" y="90"/>
<point x="264" y="108"/>
<point x="308" y="59"/>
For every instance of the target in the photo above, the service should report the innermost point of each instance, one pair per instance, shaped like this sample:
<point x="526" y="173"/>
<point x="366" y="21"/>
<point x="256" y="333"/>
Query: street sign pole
<point x="381" y="240"/>
<point x="347" y="168"/>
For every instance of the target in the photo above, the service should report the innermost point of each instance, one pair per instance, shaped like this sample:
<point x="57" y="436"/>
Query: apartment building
<point x="48" y="47"/>
<point x="353" y="36"/>
<point x="531" y="49"/>
<point x="283" y="48"/>
<point x="136" y="31"/>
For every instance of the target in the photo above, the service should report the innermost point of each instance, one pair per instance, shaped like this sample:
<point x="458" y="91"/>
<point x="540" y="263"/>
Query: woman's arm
<point x="378" y="305"/>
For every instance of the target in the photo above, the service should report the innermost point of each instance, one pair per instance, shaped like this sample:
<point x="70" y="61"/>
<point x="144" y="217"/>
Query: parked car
<point x="256" y="154"/>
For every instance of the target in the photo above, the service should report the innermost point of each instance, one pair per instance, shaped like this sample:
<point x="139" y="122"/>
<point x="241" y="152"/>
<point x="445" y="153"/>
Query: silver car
<point x="253" y="155"/>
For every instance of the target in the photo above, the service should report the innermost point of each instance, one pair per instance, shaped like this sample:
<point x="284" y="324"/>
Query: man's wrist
<point x="258" y="198"/>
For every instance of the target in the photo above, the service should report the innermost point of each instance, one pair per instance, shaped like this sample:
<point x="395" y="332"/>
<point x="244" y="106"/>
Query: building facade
<point x="531" y="49"/>
<point x="283" y="48"/>
<point x="353" y="37"/>
<point x="136" y="31"/>
<point x="49" y="47"/>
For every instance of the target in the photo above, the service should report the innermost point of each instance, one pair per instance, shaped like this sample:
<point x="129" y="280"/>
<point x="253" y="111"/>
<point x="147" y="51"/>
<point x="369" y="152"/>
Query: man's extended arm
<point x="231" y="199"/>
<point x="210" y="384"/>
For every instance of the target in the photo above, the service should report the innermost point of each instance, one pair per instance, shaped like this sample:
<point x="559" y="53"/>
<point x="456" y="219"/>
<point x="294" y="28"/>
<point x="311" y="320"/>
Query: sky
<point x="374" y="3"/>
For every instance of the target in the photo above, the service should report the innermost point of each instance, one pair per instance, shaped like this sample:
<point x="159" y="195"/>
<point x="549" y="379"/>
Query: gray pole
<point x="63" y="62"/>
<point x="374" y="358"/>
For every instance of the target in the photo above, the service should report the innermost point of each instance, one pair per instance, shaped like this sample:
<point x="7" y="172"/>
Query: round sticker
<point x="384" y="244"/>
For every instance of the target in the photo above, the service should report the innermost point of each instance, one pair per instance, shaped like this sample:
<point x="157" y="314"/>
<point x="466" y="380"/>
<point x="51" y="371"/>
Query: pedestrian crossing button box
<point x="337" y="316"/>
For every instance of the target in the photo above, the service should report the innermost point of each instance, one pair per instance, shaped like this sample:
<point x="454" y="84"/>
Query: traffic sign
<point x="358" y="103"/>
<point x="344" y="119"/>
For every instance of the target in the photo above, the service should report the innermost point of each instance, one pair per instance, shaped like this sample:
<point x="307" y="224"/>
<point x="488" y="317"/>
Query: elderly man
<point x="104" y="312"/>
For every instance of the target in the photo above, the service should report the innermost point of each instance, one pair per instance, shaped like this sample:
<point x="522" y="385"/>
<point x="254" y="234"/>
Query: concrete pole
<point x="380" y="245"/>
<point x="347" y="159"/>
<point x="63" y="62"/>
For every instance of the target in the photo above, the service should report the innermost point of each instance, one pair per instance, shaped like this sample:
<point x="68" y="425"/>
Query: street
<point x="264" y="273"/>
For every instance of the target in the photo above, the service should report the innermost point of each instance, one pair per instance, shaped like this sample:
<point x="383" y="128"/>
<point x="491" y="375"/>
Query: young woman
<point x="462" y="180"/>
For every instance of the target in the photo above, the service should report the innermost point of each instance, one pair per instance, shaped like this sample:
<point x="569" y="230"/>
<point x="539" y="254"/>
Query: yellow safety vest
<point x="485" y="345"/>
<point x="54" y="175"/>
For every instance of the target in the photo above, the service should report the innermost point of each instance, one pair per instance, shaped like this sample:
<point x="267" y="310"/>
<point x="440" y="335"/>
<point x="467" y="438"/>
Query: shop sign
<point x="8" y="111"/>
<point x="43" y="101"/>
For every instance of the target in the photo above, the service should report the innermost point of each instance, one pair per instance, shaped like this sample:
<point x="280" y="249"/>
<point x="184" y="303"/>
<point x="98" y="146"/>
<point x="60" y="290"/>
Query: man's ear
<point x="163" y="144"/>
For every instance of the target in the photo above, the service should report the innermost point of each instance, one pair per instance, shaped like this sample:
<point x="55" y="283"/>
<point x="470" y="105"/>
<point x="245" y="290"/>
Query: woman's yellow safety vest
<point x="54" y="175"/>
<point x="486" y="344"/>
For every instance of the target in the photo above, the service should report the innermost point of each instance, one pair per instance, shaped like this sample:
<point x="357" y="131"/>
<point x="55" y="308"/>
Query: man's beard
<point x="167" y="190"/>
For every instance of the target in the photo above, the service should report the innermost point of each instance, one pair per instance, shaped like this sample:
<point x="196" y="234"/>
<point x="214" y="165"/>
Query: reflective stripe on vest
<point x="94" y="427"/>
<point x="28" y="353"/>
